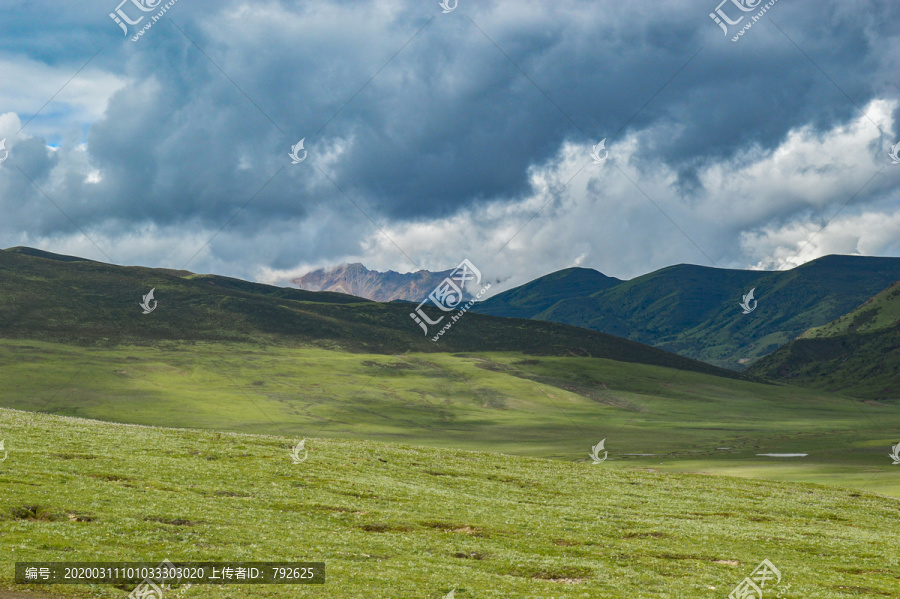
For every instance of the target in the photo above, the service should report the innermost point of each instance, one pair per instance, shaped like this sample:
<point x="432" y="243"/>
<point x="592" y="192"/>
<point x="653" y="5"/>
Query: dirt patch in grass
<point x="172" y="521"/>
<point x="39" y="513"/>
<point x="73" y="456"/>
<point x="329" y="508"/>
<point x="470" y="555"/>
<point x="469" y="531"/>
<point x="382" y="527"/>
<point x="567" y="575"/>
<point x="476" y="531"/>
<point x="77" y="517"/>
<point x="36" y="513"/>
<point x="109" y="477"/>
<point x="231" y="494"/>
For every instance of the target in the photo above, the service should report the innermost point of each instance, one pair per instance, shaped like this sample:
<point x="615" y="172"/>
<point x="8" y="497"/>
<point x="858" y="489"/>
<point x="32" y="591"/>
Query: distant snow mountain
<point x="356" y="279"/>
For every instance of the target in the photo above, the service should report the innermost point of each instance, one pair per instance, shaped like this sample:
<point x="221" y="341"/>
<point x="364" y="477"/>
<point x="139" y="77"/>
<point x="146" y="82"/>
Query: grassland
<point x="461" y="465"/>
<point x="393" y="520"/>
<point x="547" y="407"/>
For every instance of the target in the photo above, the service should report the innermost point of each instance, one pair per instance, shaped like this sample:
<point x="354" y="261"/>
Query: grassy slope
<point x="877" y="314"/>
<point x="693" y="310"/>
<point x="549" y="407"/>
<point x="857" y="354"/>
<point x="91" y="303"/>
<point x="531" y="299"/>
<point x="403" y="521"/>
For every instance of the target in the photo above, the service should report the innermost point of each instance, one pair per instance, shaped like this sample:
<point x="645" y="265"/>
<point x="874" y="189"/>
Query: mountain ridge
<point x="97" y="304"/>
<point x="694" y="310"/>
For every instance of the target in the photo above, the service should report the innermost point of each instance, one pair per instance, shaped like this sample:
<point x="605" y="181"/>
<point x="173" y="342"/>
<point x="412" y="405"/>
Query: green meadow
<point x="652" y="417"/>
<point x="400" y="520"/>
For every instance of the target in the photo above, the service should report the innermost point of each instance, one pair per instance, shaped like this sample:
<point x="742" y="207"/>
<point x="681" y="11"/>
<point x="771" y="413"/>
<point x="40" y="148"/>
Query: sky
<point x="436" y="133"/>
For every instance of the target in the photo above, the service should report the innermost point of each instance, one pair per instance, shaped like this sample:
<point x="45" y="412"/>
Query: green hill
<point x="531" y="299"/>
<point x="404" y="521"/>
<point x="857" y="354"/>
<point x="693" y="310"/>
<point x="228" y="355"/>
<point x="63" y="299"/>
<point x="880" y="313"/>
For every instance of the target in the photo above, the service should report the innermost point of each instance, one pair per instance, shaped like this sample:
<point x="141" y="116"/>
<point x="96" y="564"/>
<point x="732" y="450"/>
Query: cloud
<point x="866" y="234"/>
<point x="449" y="132"/>
<point x="80" y="102"/>
<point x="594" y="215"/>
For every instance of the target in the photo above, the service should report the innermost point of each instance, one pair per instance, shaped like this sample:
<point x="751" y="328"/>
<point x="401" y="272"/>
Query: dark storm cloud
<point x="450" y="123"/>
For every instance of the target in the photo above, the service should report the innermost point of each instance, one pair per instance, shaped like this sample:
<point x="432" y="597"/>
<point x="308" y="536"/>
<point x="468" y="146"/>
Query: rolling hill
<point x="531" y="299"/>
<point x="229" y="355"/>
<point x="857" y="354"/>
<point x="694" y="310"/>
<point x="63" y="299"/>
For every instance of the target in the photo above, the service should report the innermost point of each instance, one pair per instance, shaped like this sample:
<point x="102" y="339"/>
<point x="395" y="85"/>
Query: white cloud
<point x="866" y="234"/>
<point x="756" y="211"/>
<point x="82" y="100"/>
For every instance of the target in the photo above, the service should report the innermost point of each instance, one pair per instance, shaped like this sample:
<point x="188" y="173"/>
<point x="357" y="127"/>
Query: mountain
<point x="694" y="310"/>
<point x="530" y="299"/>
<point x="69" y="300"/>
<point x="857" y="354"/>
<point x="356" y="279"/>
